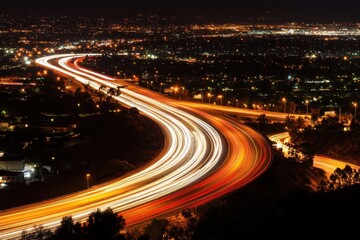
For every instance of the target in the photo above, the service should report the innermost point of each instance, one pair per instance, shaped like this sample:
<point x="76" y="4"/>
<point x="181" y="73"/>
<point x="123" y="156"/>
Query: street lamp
<point x="221" y="97"/>
<point x="284" y="100"/>
<point x="307" y="106"/>
<point x="355" y="106"/>
<point x="87" y="179"/>
<point x="209" y="96"/>
<point x="176" y="90"/>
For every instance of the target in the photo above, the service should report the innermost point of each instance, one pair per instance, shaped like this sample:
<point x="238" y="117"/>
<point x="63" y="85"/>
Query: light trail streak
<point x="196" y="166"/>
<point x="325" y="163"/>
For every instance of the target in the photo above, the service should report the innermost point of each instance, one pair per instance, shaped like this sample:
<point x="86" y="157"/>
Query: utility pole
<point x="355" y="106"/>
<point x="284" y="100"/>
<point x="87" y="180"/>
<point x="340" y="114"/>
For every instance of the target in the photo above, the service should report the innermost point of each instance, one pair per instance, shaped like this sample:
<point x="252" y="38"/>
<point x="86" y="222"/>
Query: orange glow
<point x="196" y="166"/>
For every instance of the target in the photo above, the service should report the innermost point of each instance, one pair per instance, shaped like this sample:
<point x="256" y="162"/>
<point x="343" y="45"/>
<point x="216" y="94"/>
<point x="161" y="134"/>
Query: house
<point x="9" y="177"/>
<point x="59" y="140"/>
<point x="12" y="162"/>
<point x="54" y="123"/>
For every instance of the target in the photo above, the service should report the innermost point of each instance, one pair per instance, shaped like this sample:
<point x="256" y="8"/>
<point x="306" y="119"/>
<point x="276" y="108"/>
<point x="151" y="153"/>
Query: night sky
<point x="300" y="10"/>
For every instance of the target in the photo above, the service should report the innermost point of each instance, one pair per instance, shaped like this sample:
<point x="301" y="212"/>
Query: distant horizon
<point x="215" y="11"/>
<point x="196" y="19"/>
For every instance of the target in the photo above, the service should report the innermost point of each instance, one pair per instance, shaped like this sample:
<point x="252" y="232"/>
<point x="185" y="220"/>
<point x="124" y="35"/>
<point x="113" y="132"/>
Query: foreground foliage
<point x="341" y="178"/>
<point x="100" y="225"/>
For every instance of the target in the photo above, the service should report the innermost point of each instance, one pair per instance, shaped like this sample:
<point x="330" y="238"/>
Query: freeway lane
<point x="325" y="163"/>
<point x="197" y="165"/>
<point x="243" y="112"/>
<point x="181" y="160"/>
<point x="236" y="135"/>
<point x="247" y="158"/>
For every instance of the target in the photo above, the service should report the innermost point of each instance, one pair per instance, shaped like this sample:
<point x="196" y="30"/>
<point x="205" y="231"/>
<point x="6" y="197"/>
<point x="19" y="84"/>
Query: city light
<point x="221" y="98"/>
<point x="284" y="101"/>
<point x="61" y="108"/>
<point x="195" y="148"/>
<point x="87" y="180"/>
<point x="307" y="106"/>
<point x="355" y="107"/>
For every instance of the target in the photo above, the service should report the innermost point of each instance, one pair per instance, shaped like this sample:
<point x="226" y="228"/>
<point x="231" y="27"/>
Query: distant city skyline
<point x="225" y="10"/>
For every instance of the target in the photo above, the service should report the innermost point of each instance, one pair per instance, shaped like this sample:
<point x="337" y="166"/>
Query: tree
<point x="315" y="114"/>
<point x="134" y="111"/>
<point x="87" y="86"/>
<point x="40" y="173"/>
<point x="68" y="230"/>
<point x="101" y="96"/>
<point x="341" y="178"/>
<point x="102" y="88"/>
<point x="104" y="225"/>
<point x="111" y="92"/>
<point x="300" y="122"/>
<point x="39" y="233"/>
<point x="331" y="123"/>
<point x="77" y="91"/>
<point x="187" y="230"/>
<point x="262" y="120"/>
<point x="157" y="229"/>
<point x="290" y="122"/>
<point x="118" y="91"/>
<point x="307" y="150"/>
<point x="354" y="124"/>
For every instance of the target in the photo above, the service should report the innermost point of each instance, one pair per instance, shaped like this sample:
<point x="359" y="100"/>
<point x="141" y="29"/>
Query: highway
<point x="243" y="112"/>
<point x="323" y="162"/>
<point x="205" y="156"/>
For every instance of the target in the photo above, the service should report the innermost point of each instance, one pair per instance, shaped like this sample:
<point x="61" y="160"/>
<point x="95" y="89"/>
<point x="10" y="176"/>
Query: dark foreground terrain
<point x="283" y="204"/>
<point x="112" y="144"/>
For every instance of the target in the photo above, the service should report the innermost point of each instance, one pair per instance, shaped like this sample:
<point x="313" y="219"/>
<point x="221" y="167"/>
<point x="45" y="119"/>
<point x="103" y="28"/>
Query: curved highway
<point x="197" y="164"/>
<point x="329" y="165"/>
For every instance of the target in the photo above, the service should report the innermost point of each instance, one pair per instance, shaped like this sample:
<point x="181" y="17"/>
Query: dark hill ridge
<point x="282" y="204"/>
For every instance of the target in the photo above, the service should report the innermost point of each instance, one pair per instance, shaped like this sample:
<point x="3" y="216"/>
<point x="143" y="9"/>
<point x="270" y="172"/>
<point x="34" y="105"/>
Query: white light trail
<point x="194" y="148"/>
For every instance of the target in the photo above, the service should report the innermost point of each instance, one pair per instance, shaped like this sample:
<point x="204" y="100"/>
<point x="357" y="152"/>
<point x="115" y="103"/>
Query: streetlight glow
<point x="307" y="106"/>
<point x="355" y="106"/>
<point x="221" y="97"/>
<point x="87" y="179"/>
<point x="284" y="100"/>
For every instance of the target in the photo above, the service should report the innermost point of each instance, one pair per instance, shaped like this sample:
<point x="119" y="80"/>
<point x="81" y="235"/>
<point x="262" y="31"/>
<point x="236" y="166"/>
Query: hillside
<point x="336" y="144"/>
<point x="120" y="143"/>
<point x="280" y="204"/>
